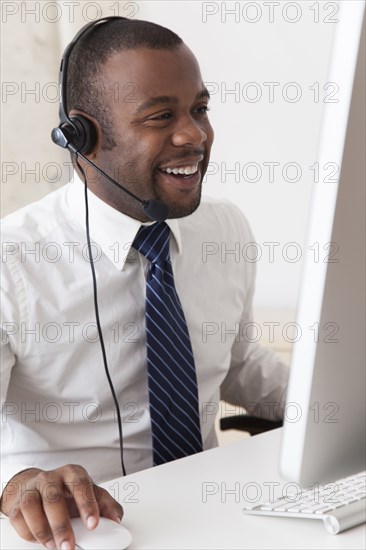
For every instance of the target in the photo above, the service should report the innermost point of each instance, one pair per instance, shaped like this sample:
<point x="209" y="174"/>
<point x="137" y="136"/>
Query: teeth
<point x="187" y="170"/>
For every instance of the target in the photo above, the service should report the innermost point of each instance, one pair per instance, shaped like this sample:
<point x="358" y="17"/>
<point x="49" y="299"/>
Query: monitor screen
<point x="324" y="429"/>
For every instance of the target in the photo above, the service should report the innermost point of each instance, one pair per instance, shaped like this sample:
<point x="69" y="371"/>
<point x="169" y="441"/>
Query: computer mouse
<point x="107" y="534"/>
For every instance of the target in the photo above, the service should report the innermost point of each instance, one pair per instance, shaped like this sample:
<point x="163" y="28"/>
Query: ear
<point x="97" y="132"/>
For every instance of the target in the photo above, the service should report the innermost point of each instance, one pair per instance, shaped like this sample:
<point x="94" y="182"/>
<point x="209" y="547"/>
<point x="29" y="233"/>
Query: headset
<point x="77" y="133"/>
<point x="75" y="130"/>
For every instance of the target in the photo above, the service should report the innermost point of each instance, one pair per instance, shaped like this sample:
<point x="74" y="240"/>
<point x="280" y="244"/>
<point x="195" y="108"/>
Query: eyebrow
<point x="168" y="100"/>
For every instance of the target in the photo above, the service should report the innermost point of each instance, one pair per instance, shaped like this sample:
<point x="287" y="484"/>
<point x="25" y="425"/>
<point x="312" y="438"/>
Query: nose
<point x="189" y="132"/>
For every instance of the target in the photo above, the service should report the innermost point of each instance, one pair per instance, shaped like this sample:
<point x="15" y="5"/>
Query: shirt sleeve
<point x="257" y="379"/>
<point x="11" y="291"/>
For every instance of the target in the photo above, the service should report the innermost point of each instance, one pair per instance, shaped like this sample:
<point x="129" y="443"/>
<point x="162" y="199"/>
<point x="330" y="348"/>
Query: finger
<point x="34" y="517"/>
<point x="81" y="487"/>
<point x="18" y="522"/>
<point x="108" y="506"/>
<point x="55" y="508"/>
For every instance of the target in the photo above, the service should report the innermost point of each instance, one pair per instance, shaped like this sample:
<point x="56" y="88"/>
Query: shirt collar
<point x="113" y="231"/>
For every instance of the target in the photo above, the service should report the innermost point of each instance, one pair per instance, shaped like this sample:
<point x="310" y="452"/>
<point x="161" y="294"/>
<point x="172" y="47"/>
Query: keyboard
<point x="341" y="504"/>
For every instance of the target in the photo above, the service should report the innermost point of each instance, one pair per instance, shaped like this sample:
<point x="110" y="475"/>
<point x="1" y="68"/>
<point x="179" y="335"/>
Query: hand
<point x="40" y="504"/>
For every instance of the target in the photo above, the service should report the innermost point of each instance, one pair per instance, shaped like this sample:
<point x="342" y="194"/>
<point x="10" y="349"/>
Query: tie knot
<point x="152" y="241"/>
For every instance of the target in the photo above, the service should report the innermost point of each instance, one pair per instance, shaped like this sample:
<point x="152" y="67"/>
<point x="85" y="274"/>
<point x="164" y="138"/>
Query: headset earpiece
<point x="78" y="132"/>
<point x="85" y="134"/>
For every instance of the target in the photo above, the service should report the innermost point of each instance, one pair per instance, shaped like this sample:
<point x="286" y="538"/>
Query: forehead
<point x="142" y="72"/>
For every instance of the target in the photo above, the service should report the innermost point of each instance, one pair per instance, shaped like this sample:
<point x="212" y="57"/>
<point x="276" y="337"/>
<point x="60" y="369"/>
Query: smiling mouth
<point x="181" y="171"/>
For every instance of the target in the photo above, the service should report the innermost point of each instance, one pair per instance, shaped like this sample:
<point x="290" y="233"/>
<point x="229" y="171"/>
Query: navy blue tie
<point x="173" y="393"/>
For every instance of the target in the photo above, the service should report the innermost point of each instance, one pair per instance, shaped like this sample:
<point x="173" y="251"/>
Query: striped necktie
<point x="173" y="393"/>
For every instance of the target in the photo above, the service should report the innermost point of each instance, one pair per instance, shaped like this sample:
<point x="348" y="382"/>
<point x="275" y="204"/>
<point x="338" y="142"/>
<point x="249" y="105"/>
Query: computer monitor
<point x="324" y="429"/>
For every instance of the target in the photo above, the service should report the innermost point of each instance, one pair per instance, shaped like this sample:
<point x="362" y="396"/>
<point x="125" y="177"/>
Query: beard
<point x="131" y="177"/>
<point x="176" y="208"/>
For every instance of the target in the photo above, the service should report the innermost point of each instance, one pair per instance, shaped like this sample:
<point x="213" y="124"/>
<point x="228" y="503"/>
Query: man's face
<point x="158" y="104"/>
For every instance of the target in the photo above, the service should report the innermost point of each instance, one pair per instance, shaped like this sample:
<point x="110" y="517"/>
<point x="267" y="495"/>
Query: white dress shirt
<point x="57" y="406"/>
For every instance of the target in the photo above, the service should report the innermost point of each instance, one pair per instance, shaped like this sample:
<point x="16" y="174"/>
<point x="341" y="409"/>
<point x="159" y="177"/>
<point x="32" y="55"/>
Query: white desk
<point x="171" y="512"/>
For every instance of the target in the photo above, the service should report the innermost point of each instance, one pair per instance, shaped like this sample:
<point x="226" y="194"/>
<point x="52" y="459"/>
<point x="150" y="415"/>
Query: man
<point x="141" y="88"/>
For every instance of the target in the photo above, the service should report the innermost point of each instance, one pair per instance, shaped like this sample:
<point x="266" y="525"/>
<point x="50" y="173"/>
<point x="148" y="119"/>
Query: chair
<point x="247" y="423"/>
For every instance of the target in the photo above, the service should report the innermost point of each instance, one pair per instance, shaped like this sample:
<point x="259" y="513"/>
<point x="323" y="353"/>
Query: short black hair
<point x="84" y="87"/>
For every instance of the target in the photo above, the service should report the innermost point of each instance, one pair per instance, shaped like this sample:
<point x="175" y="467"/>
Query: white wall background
<point x="273" y="55"/>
